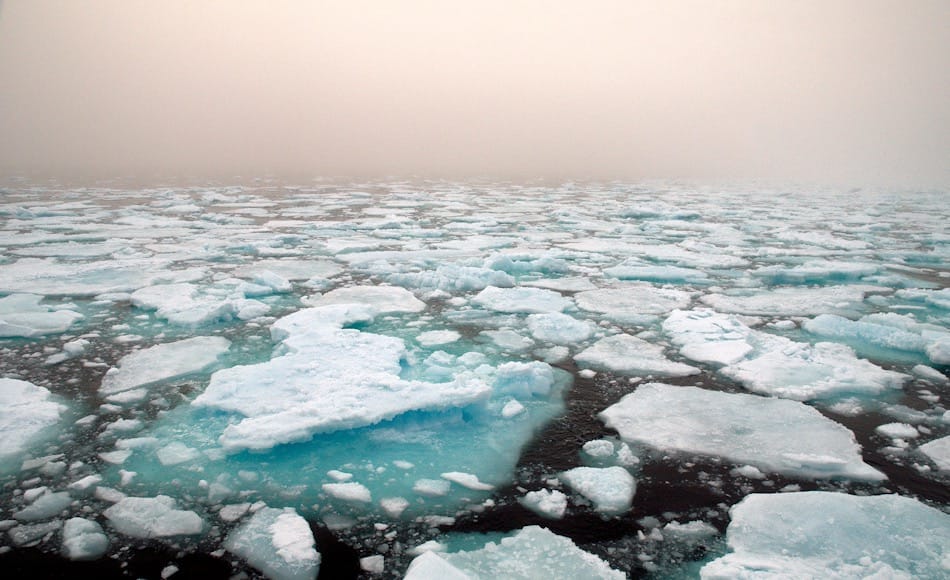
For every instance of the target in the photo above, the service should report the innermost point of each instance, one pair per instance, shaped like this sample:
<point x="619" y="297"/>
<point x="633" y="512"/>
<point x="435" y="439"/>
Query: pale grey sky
<point x="840" y="90"/>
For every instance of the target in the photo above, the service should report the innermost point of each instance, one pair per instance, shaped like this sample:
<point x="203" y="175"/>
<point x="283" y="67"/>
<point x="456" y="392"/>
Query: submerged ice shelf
<point x="475" y="380"/>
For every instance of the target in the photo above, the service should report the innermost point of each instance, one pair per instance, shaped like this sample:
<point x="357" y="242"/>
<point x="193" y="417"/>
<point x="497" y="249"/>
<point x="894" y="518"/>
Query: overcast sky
<point x="853" y="91"/>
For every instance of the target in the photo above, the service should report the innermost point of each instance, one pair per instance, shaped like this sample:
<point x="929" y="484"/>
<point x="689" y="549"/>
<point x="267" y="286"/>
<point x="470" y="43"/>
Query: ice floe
<point x="28" y="414"/>
<point x="833" y="535"/>
<point x="356" y="382"/>
<point x="776" y="435"/>
<point x="625" y="354"/>
<point x="153" y="517"/>
<point x="277" y="542"/>
<point x="532" y="552"/>
<point x="164" y="362"/>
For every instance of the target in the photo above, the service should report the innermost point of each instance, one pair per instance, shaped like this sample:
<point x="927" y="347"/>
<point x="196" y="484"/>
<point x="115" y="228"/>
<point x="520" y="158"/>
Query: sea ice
<point x="792" y="301"/>
<point x="632" y="303"/>
<point x="775" y="365"/>
<point x="521" y="300"/>
<point x="328" y="379"/>
<point x="804" y="372"/>
<point x="277" y="542"/>
<point x="547" y="503"/>
<point x="381" y="299"/>
<point x="558" y="328"/>
<point x="775" y="435"/>
<point x="532" y="552"/>
<point x="164" y="362"/>
<point x="153" y="517"/>
<point x="707" y="336"/>
<point x="610" y="489"/>
<point x="22" y="315"/>
<point x="27" y="413"/>
<point x="622" y="353"/>
<point x="83" y="539"/>
<point x="819" y="534"/>
<point x="938" y="451"/>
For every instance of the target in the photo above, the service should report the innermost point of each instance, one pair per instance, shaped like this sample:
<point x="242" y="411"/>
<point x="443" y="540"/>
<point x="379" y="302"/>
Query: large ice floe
<point x="392" y="378"/>
<point x="834" y="535"/>
<point x="775" y="435"/>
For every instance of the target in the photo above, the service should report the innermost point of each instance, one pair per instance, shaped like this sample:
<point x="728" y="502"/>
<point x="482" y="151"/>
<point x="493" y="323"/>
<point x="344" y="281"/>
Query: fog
<point x="843" y="91"/>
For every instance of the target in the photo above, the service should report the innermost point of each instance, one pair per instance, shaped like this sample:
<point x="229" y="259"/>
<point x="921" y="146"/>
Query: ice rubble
<point x="27" y="413"/>
<point x="279" y="543"/>
<point x="774" y="365"/>
<point x="775" y="435"/>
<point x="833" y="535"/>
<point x="532" y="552"/>
<point x="164" y="362"/>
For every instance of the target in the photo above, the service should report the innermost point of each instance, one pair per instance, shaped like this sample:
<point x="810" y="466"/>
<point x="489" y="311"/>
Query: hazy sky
<point x="811" y="90"/>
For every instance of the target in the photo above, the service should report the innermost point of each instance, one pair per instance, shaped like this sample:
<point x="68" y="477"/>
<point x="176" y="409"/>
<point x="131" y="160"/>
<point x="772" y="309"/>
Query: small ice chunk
<point x="622" y="353"/>
<point x="897" y="431"/>
<point x="350" y="491"/>
<point x="532" y="552"/>
<point x="599" y="448"/>
<point x="774" y="435"/>
<point x="45" y="507"/>
<point x="929" y="373"/>
<point x="337" y="475"/>
<point x="374" y="564"/>
<point x="175" y="453"/>
<point x="547" y="503"/>
<point x="693" y="529"/>
<point x="611" y="489"/>
<point x="819" y="534"/>
<point x="150" y="517"/>
<point x="524" y="380"/>
<point x="558" y="328"/>
<point x="437" y="337"/>
<point x="164" y="362"/>
<point x="431" y="487"/>
<point x="467" y="480"/>
<point x="233" y="512"/>
<point x="84" y="484"/>
<point x="84" y="539"/>
<point x="512" y="409"/>
<point x="279" y="543"/>
<point x="394" y="506"/>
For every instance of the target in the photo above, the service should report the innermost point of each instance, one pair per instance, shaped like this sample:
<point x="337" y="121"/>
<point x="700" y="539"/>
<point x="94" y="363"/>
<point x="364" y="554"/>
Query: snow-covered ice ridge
<point x="707" y="381"/>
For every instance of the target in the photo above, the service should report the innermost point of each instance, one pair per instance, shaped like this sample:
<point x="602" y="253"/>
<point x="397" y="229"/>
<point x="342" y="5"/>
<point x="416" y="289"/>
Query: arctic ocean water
<point x="474" y="380"/>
